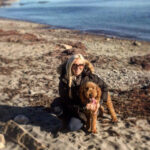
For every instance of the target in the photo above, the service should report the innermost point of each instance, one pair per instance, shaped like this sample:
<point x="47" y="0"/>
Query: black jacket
<point x="73" y="106"/>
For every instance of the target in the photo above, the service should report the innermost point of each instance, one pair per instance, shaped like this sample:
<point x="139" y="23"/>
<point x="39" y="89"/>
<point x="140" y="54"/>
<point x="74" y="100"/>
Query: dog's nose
<point x="90" y="95"/>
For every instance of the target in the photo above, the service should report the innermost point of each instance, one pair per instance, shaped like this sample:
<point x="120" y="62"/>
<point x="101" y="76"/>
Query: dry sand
<point x="29" y="56"/>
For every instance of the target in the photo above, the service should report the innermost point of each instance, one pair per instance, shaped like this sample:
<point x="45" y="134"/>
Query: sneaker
<point x="57" y="110"/>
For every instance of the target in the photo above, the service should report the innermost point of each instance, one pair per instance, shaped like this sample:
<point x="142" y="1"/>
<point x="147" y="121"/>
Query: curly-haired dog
<point x="90" y="95"/>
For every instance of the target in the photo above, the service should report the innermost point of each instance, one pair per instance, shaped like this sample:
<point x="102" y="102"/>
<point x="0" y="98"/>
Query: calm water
<point x="125" y="18"/>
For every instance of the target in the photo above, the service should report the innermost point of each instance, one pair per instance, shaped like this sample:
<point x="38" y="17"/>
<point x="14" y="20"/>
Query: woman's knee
<point x="75" y="124"/>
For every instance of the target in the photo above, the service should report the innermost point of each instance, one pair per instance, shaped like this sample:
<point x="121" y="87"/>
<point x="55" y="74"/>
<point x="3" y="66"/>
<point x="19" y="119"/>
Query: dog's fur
<point x="88" y="91"/>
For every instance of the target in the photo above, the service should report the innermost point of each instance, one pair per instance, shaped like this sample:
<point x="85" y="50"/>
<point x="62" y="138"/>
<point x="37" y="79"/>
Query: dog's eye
<point x="86" y="88"/>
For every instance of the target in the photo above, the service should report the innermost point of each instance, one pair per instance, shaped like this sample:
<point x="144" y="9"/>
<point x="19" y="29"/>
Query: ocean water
<point x="123" y="18"/>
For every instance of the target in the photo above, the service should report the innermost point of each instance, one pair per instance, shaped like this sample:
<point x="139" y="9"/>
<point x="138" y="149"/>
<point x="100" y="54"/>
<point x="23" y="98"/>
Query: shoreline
<point x="101" y="33"/>
<point x="7" y="2"/>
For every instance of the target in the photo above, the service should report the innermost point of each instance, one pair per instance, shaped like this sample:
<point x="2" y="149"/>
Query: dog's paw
<point x="94" y="131"/>
<point x="114" y="121"/>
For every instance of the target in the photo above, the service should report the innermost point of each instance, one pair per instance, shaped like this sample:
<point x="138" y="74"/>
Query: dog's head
<point x="89" y="91"/>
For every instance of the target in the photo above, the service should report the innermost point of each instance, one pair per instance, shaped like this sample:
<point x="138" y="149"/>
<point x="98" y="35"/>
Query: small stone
<point x="107" y="39"/>
<point x="2" y="141"/>
<point x="22" y="31"/>
<point x="136" y="43"/>
<point x="65" y="46"/>
<point x="21" y="119"/>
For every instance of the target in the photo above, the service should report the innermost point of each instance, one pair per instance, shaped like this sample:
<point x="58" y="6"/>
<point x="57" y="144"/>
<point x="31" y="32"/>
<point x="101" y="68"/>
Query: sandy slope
<point x="29" y="56"/>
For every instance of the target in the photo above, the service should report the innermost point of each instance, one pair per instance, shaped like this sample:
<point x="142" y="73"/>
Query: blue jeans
<point x="75" y="124"/>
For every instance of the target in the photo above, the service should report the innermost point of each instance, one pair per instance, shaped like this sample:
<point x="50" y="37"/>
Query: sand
<point x="29" y="57"/>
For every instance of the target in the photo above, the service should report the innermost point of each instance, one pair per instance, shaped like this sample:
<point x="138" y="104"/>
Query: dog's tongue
<point x="93" y="100"/>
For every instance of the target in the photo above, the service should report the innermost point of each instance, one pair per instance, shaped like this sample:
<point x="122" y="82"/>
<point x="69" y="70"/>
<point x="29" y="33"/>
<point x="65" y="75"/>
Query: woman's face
<point x="77" y="67"/>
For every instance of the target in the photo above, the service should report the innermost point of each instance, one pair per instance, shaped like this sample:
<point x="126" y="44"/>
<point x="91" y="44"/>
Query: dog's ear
<point x="82" y="96"/>
<point x="99" y="93"/>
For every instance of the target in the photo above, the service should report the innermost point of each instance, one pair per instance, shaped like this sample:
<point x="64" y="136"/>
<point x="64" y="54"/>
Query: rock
<point x="65" y="46"/>
<point x="21" y="119"/>
<point x="107" y="39"/>
<point x="136" y="43"/>
<point x="19" y="135"/>
<point x="22" y="31"/>
<point x="2" y="141"/>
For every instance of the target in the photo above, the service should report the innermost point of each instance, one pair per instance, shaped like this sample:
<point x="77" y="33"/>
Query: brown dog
<point x="90" y="95"/>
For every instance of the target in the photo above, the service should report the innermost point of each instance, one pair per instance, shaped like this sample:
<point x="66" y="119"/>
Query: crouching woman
<point x="74" y="72"/>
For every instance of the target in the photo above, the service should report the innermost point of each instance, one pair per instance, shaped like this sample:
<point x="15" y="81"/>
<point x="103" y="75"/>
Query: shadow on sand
<point x="38" y="116"/>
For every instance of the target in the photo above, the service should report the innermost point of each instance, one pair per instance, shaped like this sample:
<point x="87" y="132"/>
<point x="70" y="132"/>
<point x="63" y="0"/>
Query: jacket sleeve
<point x="102" y="85"/>
<point x="63" y="88"/>
<point x="68" y="104"/>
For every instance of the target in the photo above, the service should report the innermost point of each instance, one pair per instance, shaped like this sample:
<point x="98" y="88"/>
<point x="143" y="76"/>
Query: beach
<point x="30" y="55"/>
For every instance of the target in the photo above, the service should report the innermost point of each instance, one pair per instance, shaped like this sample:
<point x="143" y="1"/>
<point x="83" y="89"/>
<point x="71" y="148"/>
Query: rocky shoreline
<point x="6" y="2"/>
<point x="30" y="56"/>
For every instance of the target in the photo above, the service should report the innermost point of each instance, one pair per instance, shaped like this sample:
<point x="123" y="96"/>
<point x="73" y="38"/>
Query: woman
<point x="76" y="71"/>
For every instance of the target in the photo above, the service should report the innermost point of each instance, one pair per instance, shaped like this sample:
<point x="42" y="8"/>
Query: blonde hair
<point x="69" y="64"/>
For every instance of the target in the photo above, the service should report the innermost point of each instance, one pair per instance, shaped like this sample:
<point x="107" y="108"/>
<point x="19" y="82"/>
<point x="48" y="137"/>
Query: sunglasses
<point x="78" y="66"/>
